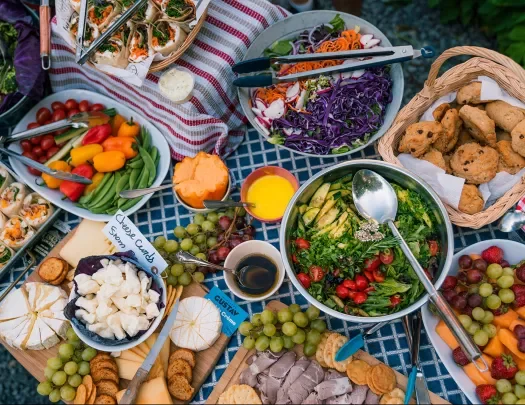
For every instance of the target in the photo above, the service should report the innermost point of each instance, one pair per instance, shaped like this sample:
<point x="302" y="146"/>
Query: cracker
<point x="107" y="387"/>
<point x="319" y="354"/>
<point x="99" y="357"/>
<point x="105" y="374"/>
<point x="340" y="365"/>
<point x="327" y="353"/>
<point x="108" y="364"/>
<point x="105" y="400"/>
<point x="383" y="378"/>
<point x="184" y="354"/>
<point x="180" y="366"/>
<point x="91" y="399"/>
<point x="370" y="382"/>
<point x="226" y="397"/>
<point x="80" y="397"/>
<point x="244" y="394"/>
<point x="88" y="382"/>
<point x="397" y="392"/>
<point x="357" y="371"/>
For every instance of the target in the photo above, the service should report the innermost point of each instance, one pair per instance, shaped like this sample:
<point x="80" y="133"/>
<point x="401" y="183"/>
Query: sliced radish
<point x="275" y="110"/>
<point x="357" y="73"/>
<point x="293" y="91"/>
<point x="366" y="38"/>
<point x="261" y="105"/>
<point x="300" y="102"/>
<point x="257" y="112"/>
<point x="372" y="43"/>
<point x="288" y="131"/>
<point x="263" y="124"/>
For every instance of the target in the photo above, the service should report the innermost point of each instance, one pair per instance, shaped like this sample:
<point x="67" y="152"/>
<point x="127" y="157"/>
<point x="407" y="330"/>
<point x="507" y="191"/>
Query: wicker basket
<point x="507" y="73"/>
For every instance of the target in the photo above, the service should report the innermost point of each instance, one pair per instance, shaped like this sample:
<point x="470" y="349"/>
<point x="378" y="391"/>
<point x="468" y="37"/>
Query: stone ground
<point x="415" y="24"/>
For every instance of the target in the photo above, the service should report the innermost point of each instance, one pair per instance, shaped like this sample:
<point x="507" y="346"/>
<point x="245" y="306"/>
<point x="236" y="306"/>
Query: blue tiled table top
<point x="161" y="215"/>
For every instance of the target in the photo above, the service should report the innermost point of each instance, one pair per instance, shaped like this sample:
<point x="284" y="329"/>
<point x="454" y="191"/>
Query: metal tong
<point x="379" y="57"/>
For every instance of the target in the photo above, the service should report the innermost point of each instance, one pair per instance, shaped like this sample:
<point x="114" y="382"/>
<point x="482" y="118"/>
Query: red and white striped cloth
<point x="213" y="118"/>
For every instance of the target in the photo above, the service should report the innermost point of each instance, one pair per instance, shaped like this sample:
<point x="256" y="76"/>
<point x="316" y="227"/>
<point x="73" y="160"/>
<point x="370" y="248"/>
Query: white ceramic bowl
<point x="204" y="210"/>
<point x="513" y="252"/>
<point x="250" y="248"/>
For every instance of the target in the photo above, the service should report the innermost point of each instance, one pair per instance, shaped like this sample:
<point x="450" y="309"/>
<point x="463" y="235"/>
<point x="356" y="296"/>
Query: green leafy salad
<point x="355" y="266"/>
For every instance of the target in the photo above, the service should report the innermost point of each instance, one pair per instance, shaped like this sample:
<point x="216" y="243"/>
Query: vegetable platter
<point x="288" y="114"/>
<point x="127" y="159"/>
<point x="513" y="254"/>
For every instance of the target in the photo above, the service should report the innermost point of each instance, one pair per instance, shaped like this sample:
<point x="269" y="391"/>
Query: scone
<point x="479" y="125"/>
<point x="464" y="137"/>
<point x="469" y="94"/>
<point x="471" y="201"/>
<point x="505" y="116"/>
<point x="440" y="111"/>
<point x="518" y="138"/>
<point x="510" y="161"/>
<point x="475" y="163"/>
<point x="436" y="158"/>
<point x="419" y="136"/>
<point x="451" y="127"/>
<point x="503" y="135"/>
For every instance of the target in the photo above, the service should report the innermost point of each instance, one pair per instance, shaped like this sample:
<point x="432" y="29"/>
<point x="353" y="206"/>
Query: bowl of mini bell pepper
<point x="123" y="152"/>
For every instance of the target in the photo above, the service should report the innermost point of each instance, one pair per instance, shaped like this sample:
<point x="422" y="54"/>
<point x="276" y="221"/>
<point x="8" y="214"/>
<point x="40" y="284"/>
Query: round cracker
<point x="370" y="383"/>
<point x="327" y="353"/>
<point x="340" y="365"/>
<point x="357" y="371"/>
<point x="383" y="378"/>
<point x="319" y="354"/>
<point x="105" y="400"/>
<point x="88" y="382"/>
<point x="244" y="394"/>
<point x="91" y="399"/>
<point x="80" y="397"/>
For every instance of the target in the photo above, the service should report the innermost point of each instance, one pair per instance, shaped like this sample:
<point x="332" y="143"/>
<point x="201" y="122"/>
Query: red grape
<point x="504" y="263"/>
<point x="467" y="311"/>
<point x="462" y="277"/>
<point x="220" y="237"/>
<point x="203" y="269"/>
<point x="240" y="223"/>
<point x="519" y="331"/>
<point x="246" y="238"/>
<point x="233" y="242"/>
<point x="225" y="222"/>
<point x="212" y="257"/>
<point x="449" y="283"/>
<point x="448" y="295"/>
<point x="474" y="276"/>
<point x="223" y="252"/>
<point x="458" y="302"/>
<point x="465" y="262"/>
<point x="250" y="230"/>
<point x="475" y="300"/>
<point x="521" y="345"/>
<point x="520" y="273"/>
<point x="26" y="145"/>
<point x="479" y="264"/>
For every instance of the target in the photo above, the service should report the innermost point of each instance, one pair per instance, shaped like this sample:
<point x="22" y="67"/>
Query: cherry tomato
<point x="36" y="140"/>
<point x="59" y="115"/>
<point x="26" y="145"/>
<point x="317" y="273"/>
<point x="371" y="288"/>
<point x="52" y="151"/>
<point x="350" y="284"/>
<point x="359" y="297"/>
<point x="43" y="115"/>
<point x="37" y="151"/>
<point x="386" y="256"/>
<point x="33" y="171"/>
<point x="433" y="247"/>
<point x="395" y="300"/>
<point x="29" y="155"/>
<point x="72" y="112"/>
<point x="379" y="277"/>
<point x="83" y="106"/>
<point x="302" y="243"/>
<point x="336" y="272"/>
<point x="341" y="291"/>
<point x="361" y="282"/>
<point x="42" y="159"/>
<point x="71" y="104"/>
<point x="294" y="259"/>
<point x="48" y="141"/>
<point x="57" y="105"/>
<point x="97" y="107"/>
<point x="371" y="263"/>
<point x="369" y="276"/>
<point x="33" y="125"/>
<point x="304" y="279"/>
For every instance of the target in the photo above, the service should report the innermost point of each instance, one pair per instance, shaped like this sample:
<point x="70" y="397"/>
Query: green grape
<point x="159" y="242"/>
<point x="74" y="380"/>
<point x="195" y="250"/>
<point x="190" y="267"/>
<point x="520" y="402"/>
<point x="66" y="351"/>
<point x="299" y="337"/>
<point x="171" y="246"/>
<point x="269" y="329"/>
<point x="48" y="372"/>
<point x="163" y="253"/>
<point x="203" y="247"/>
<point x="186" y="244"/>
<point x="473" y="289"/>
<point x="313" y="337"/>
<point x="71" y="335"/>
<point x="44" y="388"/>
<point x="300" y="319"/>
<point x="503" y="386"/>
<point x="199" y="219"/>
<point x="59" y="378"/>
<point x="262" y="343"/>
<point x="55" y="363"/>
<point x="256" y="320"/>
<point x="54" y="396"/>
<point x="508" y="271"/>
<point x="212" y="241"/>
<point x="177" y="269"/>
<point x="179" y="232"/>
<point x="481" y="337"/>
<point x="193" y="229"/>
<point x="318" y="324"/>
<point x="172" y="280"/>
<point x="309" y="349"/>
<point x="267" y="316"/>
<point x="241" y="211"/>
<point x="276" y="344"/>
<point x="505" y="281"/>
<point x="245" y="328"/>
<point x="198" y="276"/>
<point x="494" y="270"/>
<point x="520" y="377"/>
<point x="230" y="212"/>
<point x="220" y="214"/>
<point x="312" y="313"/>
<point x="465" y="320"/>
<point x="208" y="226"/>
<point x="490" y="329"/>
<point x="485" y="289"/>
<point x="212" y="217"/>
<point x="248" y="343"/>
<point x="493" y="301"/>
<point x="77" y="357"/>
<point x="284" y="315"/>
<point x="472" y="329"/>
<point x="71" y="368"/>
<point x="519" y="391"/>
<point x="478" y="313"/>
<point x="184" y="279"/>
<point x="488" y="318"/>
<point x="67" y="393"/>
<point x="83" y="368"/>
<point x="508" y="399"/>
<point x="201" y="256"/>
<point x="294" y="308"/>
<point x="288" y="342"/>
<point x="200" y="238"/>
<point x="507" y="295"/>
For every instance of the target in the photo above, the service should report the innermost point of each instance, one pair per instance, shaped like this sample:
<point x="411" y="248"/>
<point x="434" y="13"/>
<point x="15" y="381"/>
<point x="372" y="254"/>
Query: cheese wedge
<point x="152" y="392"/>
<point x="34" y="342"/>
<point x="144" y="348"/>
<point x="21" y="340"/>
<point x="126" y="368"/>
<point x="58" y="326"/>
<point x="33" y="293"/>
<point x="12" y="335"/>
<point x="48" y="296"/>
<point x="14" y="305"/>
<point x="6" y="327"/>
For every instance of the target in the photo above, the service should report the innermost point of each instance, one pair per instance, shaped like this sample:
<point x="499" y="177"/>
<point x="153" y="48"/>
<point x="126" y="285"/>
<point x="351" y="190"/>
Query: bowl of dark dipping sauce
<point x="263" y="271"/>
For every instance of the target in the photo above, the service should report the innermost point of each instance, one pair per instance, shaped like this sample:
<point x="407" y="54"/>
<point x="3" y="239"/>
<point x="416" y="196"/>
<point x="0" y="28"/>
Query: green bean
<point x="137" y="165"/>
<point x="108" y="197"/>
<point x="148" y="164"/>
<point x="124" y="180"/>
<point x="134" y="178"/>
<point x="130" y="203"/>
<point x="102" y="191"/>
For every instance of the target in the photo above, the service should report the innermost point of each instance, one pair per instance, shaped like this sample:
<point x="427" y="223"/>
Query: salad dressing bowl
<point x="443" y="229"/>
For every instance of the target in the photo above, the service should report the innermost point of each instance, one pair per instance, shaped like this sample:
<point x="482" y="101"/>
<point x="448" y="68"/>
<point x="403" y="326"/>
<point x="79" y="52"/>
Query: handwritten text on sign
<point x="126" y="236"/>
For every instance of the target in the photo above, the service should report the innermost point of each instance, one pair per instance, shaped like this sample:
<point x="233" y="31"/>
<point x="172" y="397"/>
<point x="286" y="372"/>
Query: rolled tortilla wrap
<point x="102" y="13"/>
<point x="16" y="233"/>
<point x="139" y="49"/>
<point x="178" y="10"/>
<point x="124" y="35"/>
<point x="147" y="13"/>
<point x="5" y="178"/>
<point x="36" y="210"/>
<point x="12" y="198"/>
<point x="166" y="37"/>
<point x="112" y="53"/>
<point x="3" y="220"/>
<point x="90" y="34"/>
<point x="6" y="253"/>
<point x="75" y="4"/>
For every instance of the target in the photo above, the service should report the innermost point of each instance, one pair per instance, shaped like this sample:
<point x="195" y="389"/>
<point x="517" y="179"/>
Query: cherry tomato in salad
<point x="379" y="277"/>
<point x="48" y="141"/>
<point x="350" y="284"/>
<point x="37" y="151"/>
<point x="302" y="243"/>
<point x="73" y="111"/>
<point x="433" y="247"/>
<point x="43" y="115"/>
<point x="336" y="272"/>
<point x="26" y="145"/>
<point x="304" y="279"/>
<point x="29" y="155"/>
<point x="371" y="263"/>
<point x="369" y="275"/>
<point x="341" y="291"/>
<point x="317" y="273"/>
<point x="83" y="106"/>
<point x="361" y="282"/>
<point x="97" y="107"/>
<point x="33" y="171"/>
<point x="52" y="151"/>
<point x="32" y="125"/>
<point x="71" y="104"/>
<point x="359" y="297"/>
<point x="42" y="159"/>
<point x="57" y="105"/>
<point x="395" y="300"/>
<point x="386" y="256"/>
<point x="294" y="259"/>
<point x="59" y="115"/>
<point x="36" y="140"/>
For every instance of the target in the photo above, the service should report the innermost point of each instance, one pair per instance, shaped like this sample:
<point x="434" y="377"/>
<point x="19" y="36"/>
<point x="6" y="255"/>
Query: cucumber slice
<point x="329" y="203"/>
<point x="303" y="208"/>
<point x="336" y="186"/>
<point x="310" y="215"/>
<point x="319" y="196"/>
<point x="328" y="218"/>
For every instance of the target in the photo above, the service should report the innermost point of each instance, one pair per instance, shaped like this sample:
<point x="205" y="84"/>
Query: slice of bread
<point x="184" y="354"/>
<point x="179" y="366"/>
<point x="107" y="387"/>
<point x="179" y="387"/>
<point x="105" y="400"/>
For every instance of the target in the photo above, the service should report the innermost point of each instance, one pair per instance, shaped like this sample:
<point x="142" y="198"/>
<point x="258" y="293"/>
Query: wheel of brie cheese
<point x="198" y="324"/>
<point x="32" y="317"/>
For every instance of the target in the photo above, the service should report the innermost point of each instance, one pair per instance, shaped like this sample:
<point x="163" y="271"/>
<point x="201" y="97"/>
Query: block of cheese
<point x="129" y="355"/>
<point x="77" y="248"/>
<point x="126" y="368"/>
<point x="151" y="393"/>
<point x="164" y="354"/>
<point x="137" y="350"/>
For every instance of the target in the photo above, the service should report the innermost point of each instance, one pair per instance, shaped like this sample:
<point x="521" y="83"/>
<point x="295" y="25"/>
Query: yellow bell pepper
<point x="109" y="161"/>
<point x="118" y="120"/>
<point x="129" y="128"/>
<point x="84" y="154"/>
<point x="53" y="182"/>
<point x="96" y="179"/>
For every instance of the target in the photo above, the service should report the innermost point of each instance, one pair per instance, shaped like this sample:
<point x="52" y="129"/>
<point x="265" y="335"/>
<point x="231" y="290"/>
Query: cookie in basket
<point x="452" y="125"/>
<point x="436" y="158"/>
<point x="505" y="115"/>
<point x="475" y="163"/>
<point x="419" y="137"/>
<point x="470" y="94"/>
<point x="471" y="201"/>
<point x="518" y="138"/>
<point x="478" y="124"/>
<point x="440" y="111"/>
<point x="509" y="161"/>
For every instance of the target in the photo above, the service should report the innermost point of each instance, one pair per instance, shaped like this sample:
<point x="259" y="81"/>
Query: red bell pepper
<point x="97" y="134"/>
<point x="74" y="190"/>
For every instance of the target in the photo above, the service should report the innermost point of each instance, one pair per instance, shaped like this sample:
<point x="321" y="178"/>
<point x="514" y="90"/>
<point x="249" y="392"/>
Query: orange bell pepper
<point x="129" y="128"/>
<point x="124" y="144"/>
<point x="51" y="181"/>
<point x="109" y="161"/>
<point x="118" y="120"/>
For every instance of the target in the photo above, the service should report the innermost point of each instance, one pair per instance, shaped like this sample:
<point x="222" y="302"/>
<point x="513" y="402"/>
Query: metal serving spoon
<point x="375" y="199"/>
<point x="512" y="221"/>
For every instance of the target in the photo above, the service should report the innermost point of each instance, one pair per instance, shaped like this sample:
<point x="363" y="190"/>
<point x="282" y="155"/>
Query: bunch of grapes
<point x="209" y="237"/>
<point x="64" y="373"/>
<point x="287" y="328"/>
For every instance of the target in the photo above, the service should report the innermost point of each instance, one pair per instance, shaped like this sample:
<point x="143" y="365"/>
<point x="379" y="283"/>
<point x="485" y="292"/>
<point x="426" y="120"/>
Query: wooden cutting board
<point x="35" y="361"/>
<point x="232" y="374"/>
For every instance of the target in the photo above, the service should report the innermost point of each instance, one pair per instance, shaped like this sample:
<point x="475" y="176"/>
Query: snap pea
<point x="130" y="203"/>
<point x="149" y="165"/>
<point x="108" y="197"/>
<point x="112" y="210"/>
<point x="124" y="180"/>
<point x="121" y="201"/>
<point x="133" y="178"/>
<point x="138" y="164"/>
<point x="102" y="209"/>
<point x="143" y="181"/>
<point x="136" y="158"/>
<point x="154" y="152"/>
<point x="88" y="198"/>
<point x="102" y="191"/>
<point x="146" y="139"/>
